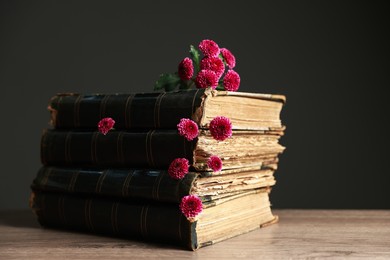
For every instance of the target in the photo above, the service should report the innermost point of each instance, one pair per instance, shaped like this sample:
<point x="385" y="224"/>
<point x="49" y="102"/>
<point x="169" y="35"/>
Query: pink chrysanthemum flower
<point x="105" y="125"/>
<point x="214" y="163"/>
<point x="231" y="81"/>
<point x="213" y="63"/>
<point x="188" y="129"/>
<point x="221" y="128"/>
<point x="178" y="168"/>
<point x="186" y="69"/>
<point x="191" y="206"/>
<point x="209" y="48"/>
<point x="206" y="78"/>
<point x="228" y="57"/>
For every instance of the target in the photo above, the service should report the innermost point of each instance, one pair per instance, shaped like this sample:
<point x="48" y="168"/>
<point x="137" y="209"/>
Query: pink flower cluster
<point x="191" y="206"/>
<point x="186" y="69"/>
<point x="214" y="70"/>
<point x="188" y="129"/>
<point x="178" y="168"/>
<point x="221" y="128"/>
<point x="105" y="125"/>
<point x="209" y="48"/>
<point x="215" y="163"/>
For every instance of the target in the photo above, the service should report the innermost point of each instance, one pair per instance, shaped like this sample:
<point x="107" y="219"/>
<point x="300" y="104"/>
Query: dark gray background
<point x="329" y="59"/>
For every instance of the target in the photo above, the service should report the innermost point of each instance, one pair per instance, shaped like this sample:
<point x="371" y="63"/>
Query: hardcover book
<point x="220" y="220"/>
<point x="247" y="111"/>
<point x="147" y="184"/>
<point x="158" y="148"/>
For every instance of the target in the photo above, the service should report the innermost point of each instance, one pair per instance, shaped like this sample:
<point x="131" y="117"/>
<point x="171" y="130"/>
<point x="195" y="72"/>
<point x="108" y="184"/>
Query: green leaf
<point x="223" y="59"/>
<point x="167" y="81"/>
<point x="220" y="87"/>
<point x="195" y="57"/>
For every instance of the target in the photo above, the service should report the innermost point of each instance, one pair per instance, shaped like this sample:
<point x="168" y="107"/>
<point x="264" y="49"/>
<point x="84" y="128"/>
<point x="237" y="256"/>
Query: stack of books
<point x="146" y="179"/>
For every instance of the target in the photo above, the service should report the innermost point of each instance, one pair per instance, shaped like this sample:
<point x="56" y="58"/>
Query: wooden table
<point x="299" y="234"/>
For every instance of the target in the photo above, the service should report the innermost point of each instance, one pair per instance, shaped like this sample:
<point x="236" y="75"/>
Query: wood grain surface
<point x="299" y="234"/>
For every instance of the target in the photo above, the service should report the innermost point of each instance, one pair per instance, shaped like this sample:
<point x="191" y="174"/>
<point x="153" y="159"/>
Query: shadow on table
<point x="19" y="218"/>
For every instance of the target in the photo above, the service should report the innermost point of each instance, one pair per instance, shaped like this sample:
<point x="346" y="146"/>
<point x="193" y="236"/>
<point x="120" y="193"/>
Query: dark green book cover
<point x="149" y="149"/>
<point x="117" y="183"/>
<point x="159" y="222"/>
<point x="140" y="110"/>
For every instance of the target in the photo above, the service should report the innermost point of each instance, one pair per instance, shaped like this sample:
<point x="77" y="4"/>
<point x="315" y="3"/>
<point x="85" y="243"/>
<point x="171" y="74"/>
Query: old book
<point x="161" y="222"/>
<point x="164" y="110"/>
<point x="150" y="184"/>
<point x="158" y="148"/>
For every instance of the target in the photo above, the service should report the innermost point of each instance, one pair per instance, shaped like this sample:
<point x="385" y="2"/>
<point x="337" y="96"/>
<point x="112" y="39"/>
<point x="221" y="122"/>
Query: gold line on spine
<point x="157" y="105"/>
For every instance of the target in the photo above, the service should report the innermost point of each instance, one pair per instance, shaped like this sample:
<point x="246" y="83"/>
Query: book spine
<point x="154" y="149"/>
<point x="145" y="110"/>
<point x="156" y="222"/>
<point x="127" y="184"/>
